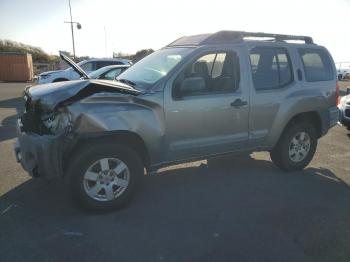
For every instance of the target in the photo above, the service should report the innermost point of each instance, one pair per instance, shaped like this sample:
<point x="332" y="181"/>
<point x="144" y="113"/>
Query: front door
<point x="207" y="107"/>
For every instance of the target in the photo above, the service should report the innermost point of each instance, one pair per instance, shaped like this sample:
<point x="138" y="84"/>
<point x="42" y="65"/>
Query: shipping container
<point x="16" y="67"/>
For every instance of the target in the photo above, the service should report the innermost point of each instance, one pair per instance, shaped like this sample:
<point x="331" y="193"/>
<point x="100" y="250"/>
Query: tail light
<point x="337" y="93"/>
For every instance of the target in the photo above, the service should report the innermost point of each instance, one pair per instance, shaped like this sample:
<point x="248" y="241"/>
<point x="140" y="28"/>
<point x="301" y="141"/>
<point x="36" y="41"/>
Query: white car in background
<point x="344" y="109"/>
<point x="88" y="66"/>
<point x="108" y="72"/>
<point x="343" y="70"/>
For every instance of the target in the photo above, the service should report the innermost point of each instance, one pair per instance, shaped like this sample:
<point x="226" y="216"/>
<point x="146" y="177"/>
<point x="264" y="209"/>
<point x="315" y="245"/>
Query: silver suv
<point x="200" y="96"/>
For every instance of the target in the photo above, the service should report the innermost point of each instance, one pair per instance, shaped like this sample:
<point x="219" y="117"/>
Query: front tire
<point x="104" y="177"/>
<point x="296" y="147"/>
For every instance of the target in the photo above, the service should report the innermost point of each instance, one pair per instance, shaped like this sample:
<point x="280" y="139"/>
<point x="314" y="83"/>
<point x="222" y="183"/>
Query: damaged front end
<point x="42" y="139"/>
<point x="45" y="129"/>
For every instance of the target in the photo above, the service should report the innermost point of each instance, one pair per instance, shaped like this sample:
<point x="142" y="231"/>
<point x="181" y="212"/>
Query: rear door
<point x="209" y="114"/>
<point x="273" y="80"/>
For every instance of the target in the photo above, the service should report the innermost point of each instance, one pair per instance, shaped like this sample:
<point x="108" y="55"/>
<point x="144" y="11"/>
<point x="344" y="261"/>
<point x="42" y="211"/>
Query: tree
<point x="135" y="57"/>
<point x="141" y="54"/>
<point x="38" y="55"/>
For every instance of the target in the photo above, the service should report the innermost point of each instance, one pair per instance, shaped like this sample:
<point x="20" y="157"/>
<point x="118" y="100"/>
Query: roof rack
<point x="227" y="37"/>
<point x="240" y="35"/>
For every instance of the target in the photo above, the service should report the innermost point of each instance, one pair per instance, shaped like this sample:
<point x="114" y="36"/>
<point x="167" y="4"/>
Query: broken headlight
<point x="56" y="121"/>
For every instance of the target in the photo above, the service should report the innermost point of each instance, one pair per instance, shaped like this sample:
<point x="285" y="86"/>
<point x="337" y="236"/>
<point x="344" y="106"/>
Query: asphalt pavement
<point x="237" y="209"/>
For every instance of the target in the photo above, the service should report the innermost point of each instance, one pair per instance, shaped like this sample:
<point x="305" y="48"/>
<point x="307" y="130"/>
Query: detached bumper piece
<point x="40" y="156"/>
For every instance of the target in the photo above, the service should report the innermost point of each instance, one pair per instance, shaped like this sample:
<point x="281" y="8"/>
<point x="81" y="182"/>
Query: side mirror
<point x="192" y="85"/>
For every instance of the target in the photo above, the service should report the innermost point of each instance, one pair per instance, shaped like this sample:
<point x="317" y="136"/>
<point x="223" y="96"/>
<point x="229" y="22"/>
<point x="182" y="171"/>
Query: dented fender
<point x="108" y="113"/>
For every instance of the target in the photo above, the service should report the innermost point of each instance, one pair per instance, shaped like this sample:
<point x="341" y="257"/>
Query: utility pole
<point x="71" y="26"/>
<point x="105" y="42"/>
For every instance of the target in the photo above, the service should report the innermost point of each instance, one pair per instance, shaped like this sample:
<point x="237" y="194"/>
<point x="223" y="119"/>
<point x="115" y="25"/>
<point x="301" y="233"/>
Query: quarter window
<point x="271" y="68"/>
<point x="317" y="65"/>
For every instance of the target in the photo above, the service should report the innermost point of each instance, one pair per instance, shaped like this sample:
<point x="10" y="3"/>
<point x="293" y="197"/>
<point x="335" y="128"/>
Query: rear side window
<point x="271" y="68"/>
<point x="317" y="65"/>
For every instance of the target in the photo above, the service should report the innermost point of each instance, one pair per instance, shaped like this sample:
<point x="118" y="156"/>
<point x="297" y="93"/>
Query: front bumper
<point x="40" y="156"/>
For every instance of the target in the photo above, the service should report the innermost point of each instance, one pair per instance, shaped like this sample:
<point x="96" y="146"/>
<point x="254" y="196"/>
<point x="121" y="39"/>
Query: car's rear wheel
<point x="104" y="177"/>
<point x="296" y="147"/>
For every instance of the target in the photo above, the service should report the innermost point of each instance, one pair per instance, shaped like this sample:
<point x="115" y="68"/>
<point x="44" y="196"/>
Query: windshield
<point x="153" y="67"/>
<point x="98" y="72"/>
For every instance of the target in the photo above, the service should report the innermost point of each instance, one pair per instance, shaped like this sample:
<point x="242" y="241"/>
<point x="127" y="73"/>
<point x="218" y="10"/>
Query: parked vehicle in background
<point x="343" y="70"/>
<point x="108" y="72"/>
<point x="88" y="66"/>
<point x="199" y="97"/>
<point x="344" y="108"/>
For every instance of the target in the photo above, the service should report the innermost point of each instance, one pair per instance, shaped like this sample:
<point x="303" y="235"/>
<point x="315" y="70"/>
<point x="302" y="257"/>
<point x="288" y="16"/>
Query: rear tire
<point x="296" y="147"/>
<point x="104" y="177"/>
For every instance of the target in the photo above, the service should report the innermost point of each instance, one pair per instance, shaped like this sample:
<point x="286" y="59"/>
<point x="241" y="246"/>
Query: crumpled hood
<point x="48" y="96"/>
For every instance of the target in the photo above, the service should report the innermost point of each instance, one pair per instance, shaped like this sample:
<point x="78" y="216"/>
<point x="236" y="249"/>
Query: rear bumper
<point x="329" y="119"/>
<point x="40" y="156"/>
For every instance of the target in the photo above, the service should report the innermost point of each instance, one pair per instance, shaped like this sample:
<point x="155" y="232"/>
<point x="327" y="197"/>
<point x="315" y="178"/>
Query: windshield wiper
<point x="126" y="81"/>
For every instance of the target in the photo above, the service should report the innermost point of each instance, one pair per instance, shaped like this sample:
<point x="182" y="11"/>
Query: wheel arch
<point x="312" y="117"/>
<point x="125" y="138"/>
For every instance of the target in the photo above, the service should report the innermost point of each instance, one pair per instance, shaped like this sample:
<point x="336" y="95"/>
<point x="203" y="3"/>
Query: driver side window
<point x="209" y="74"/>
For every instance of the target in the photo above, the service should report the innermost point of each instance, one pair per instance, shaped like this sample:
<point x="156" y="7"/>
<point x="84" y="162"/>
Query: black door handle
<point x="238" y="103"/>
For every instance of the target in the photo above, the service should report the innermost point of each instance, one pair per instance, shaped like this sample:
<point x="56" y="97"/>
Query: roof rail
<point x="227" y="37"/>
<point x="224" y="36"/>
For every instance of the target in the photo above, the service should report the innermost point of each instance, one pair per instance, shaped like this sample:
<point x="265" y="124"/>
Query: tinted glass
<point x="271" y="68"/>
<point x="285" y="69"/>
<point x="264" y="68"/>
<point x="317" y="65"/>
<point x="88" y="67"/>
<point x="101" y="64"/>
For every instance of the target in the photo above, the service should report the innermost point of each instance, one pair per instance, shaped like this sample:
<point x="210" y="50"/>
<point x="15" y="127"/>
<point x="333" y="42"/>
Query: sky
<point x="130" y="25"/>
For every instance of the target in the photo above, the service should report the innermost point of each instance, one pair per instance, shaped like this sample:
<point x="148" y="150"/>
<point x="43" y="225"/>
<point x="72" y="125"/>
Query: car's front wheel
<point x="103" y="177"/>
<point x="296" y="147"/>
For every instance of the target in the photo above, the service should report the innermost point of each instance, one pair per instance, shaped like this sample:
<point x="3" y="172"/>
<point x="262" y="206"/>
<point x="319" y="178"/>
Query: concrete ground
<point x="244" y="211"/>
